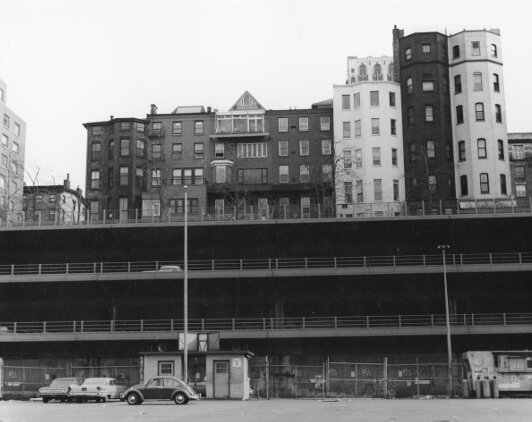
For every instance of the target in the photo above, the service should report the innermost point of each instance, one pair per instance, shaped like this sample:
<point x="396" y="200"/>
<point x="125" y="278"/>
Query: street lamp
<point x="447" y="322"/>
<point x="185" y="291"/>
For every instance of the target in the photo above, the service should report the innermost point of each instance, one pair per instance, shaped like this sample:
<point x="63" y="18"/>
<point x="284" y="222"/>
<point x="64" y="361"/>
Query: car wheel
<point x="180" y="398"/>
<point x="45" y="399"/>
<point x="133" y="398"/>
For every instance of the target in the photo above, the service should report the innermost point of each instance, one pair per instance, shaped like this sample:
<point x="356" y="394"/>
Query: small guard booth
<point x="216" y="374"/>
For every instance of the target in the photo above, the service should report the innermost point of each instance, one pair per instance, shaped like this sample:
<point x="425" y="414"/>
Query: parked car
<point x="160" y="388"/>
<point x="59" y="389"/>
<point x="99" y="389"/>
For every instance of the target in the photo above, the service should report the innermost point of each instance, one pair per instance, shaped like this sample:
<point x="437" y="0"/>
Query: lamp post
<point x="185" y="291"/>
<point x="447" y="322"/>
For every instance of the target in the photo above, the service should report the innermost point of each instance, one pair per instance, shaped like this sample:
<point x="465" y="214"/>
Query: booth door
<point x="221" y="379"/>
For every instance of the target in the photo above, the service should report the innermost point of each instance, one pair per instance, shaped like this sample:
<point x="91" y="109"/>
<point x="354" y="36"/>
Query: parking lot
<point x="359" y="410"/>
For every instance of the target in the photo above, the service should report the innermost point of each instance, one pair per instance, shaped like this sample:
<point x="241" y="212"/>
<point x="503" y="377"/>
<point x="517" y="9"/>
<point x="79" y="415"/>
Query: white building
<point x="369" y="144"/>
<point x="12" y="150"/>
<point x="478" y="115"/>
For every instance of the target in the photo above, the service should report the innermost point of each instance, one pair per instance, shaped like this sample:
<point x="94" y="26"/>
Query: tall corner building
<point x="369" y="152"/>
<point x="452" y="95"/>
<point x="13" y="146"/>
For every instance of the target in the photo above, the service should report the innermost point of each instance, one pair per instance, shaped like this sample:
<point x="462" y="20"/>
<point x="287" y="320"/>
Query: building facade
<point x="58" y="204"/>
<point x="369" y="142"/>
<point x="520" y="149"/>
<point x="13" y="146"/>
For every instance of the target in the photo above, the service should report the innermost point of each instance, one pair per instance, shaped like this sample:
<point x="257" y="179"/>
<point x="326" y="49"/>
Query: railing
<point x="261" y="324"/>
<point x="229" y="214"/>
<point x="306" y="263"/>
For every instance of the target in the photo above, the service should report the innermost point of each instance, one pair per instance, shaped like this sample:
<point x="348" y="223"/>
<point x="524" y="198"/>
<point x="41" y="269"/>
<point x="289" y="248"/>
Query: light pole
<point x="185" y="291"/>
<point x="447" y="322"/>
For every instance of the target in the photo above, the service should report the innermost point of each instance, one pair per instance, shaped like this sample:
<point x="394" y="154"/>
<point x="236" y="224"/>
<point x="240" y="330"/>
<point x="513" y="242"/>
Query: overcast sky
<point x="67" y="62"/>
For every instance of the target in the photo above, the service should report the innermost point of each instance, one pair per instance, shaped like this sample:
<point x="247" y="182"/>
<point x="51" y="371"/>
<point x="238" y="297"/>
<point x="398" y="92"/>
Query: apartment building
<point x="369" y="150"/>
<point x="520" y="149"/>
<point x="13" y="146"/>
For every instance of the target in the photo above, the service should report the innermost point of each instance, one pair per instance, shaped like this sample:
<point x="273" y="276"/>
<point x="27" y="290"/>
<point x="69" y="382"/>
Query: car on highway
<point x="160" y="388"/>
<point x="98" y="389"/>
<point x="59" y="389"/>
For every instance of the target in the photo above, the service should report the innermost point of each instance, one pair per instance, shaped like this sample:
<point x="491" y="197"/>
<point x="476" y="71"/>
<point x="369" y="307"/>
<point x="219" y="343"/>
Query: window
<point x="375" y="127"/>
<point x="95" y="179"/>
<point x="15" y="148"/>
<point x="283" y="124"/>
<point x="345" y="102"/>
<point x="17" y="129"/>
<point x="255" y="150"/>
<point x="429" y="113"/>
<point x="198" y="151"/>
<point x="222" y="174"/>
<point x="481" y="147"/>
<point x="456" y="51"/>
<point x="477" y="81"/>
<point x="140" y="147"/>
<point x="283" y="148"/>
<point x="457" y="84"/>
<point x="303" y="148"/>
<point x="461" y="151"/>
<point x="156" y="177"/>
<point x="346" y="126"/>
<point x="475" y="48"/>
<point x="519" y="174"/>
<point x="4" y="160"/>
<point x="392" y="99"/>
<point x="356" y="98"/>
<point x="347" y="159"/>
<point x="198" y="127"/>
<point x="283" y="174"/>
<point x="445" y="84"/>
<point x="5" y="140"/>
<point x="484" y="183"/>
<point x="177" y="151"/>
<point x="156" y="152"/>
<point x="503" y="184"/>
<point x="6" y="121"/>
<point x="198" y="176"/>
<point x="374" y="98"/>
<point x="433" y="187"/>
<point x="459" y="114"/>
<point x="409" y="86"/>
<point x="410" y="116"/>
<point x="124" y="175"/>
<point x="348" y="191"/>
<point x="177" y="128"/>
<point x="358" y="128"/>
<point x="124" y="126"/>
<point x="187" y="176"/>
<point x="496" y="86"/>
<point x="463" y="186"/>
<point x="326" y="148"/>
<point x="520" y="191"/>
<point x="219" y="150"/>
<point x="52" y="198"/>
<point x="325" y="123"/>
<point x="479" y="111"/>
<point x="139" y="127"/>
<point x="124" y="147"/>
<point x="376" y="156"/>
<point x="303" y="124"/>
<point x="428" y="86"/>
<point x="326" y="172"/>
<point x="96" y="151"/>
<point x="408" y="53"/>
<point x="425" y="48"/>
<point x="358" y="157"/>
<point x="377" y="189"/>
<point x="360" y="191"/>
<point x="396" y="190"/>
<point x="518" y="152"/>
<point x="431" y="149"/>
<point x="498" y="113"/>
<point x="500" y="149"/>
<point x="493" y="50"/>
<point x="413" y="152"/>
<point x="394" y="157"/>
<point x="393" y="127"/>
<point x="139" y="176"/>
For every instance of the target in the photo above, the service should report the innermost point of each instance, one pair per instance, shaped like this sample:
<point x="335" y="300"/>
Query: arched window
<point x="362" y="72"/>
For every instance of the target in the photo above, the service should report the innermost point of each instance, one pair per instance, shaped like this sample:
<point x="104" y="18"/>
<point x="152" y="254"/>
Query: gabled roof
<point x="246" y="102"/>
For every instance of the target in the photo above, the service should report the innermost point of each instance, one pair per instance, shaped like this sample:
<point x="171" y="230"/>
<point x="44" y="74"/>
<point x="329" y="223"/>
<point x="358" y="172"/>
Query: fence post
<point x="385" y="376"/>
<point x="326" y="372"/>
<point x="267" y="378"/>
<point x="295" y="380"/>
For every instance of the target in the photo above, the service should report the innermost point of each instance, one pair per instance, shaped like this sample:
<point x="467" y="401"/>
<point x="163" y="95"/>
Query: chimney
<point x="66" y="182"/>
<point x="208" y="109"/>
<point x="111" y="117"/>
<point x="153" y="109"/>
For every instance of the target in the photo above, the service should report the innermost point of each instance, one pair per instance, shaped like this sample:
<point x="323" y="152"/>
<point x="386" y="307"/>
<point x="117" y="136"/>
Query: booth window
<point x="165" y="367"/>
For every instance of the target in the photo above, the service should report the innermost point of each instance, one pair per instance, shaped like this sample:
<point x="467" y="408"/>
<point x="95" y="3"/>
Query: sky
<point x="69" y="62"/>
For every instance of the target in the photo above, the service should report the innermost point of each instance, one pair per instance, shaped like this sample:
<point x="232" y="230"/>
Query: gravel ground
<point x="359" y="410"/>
